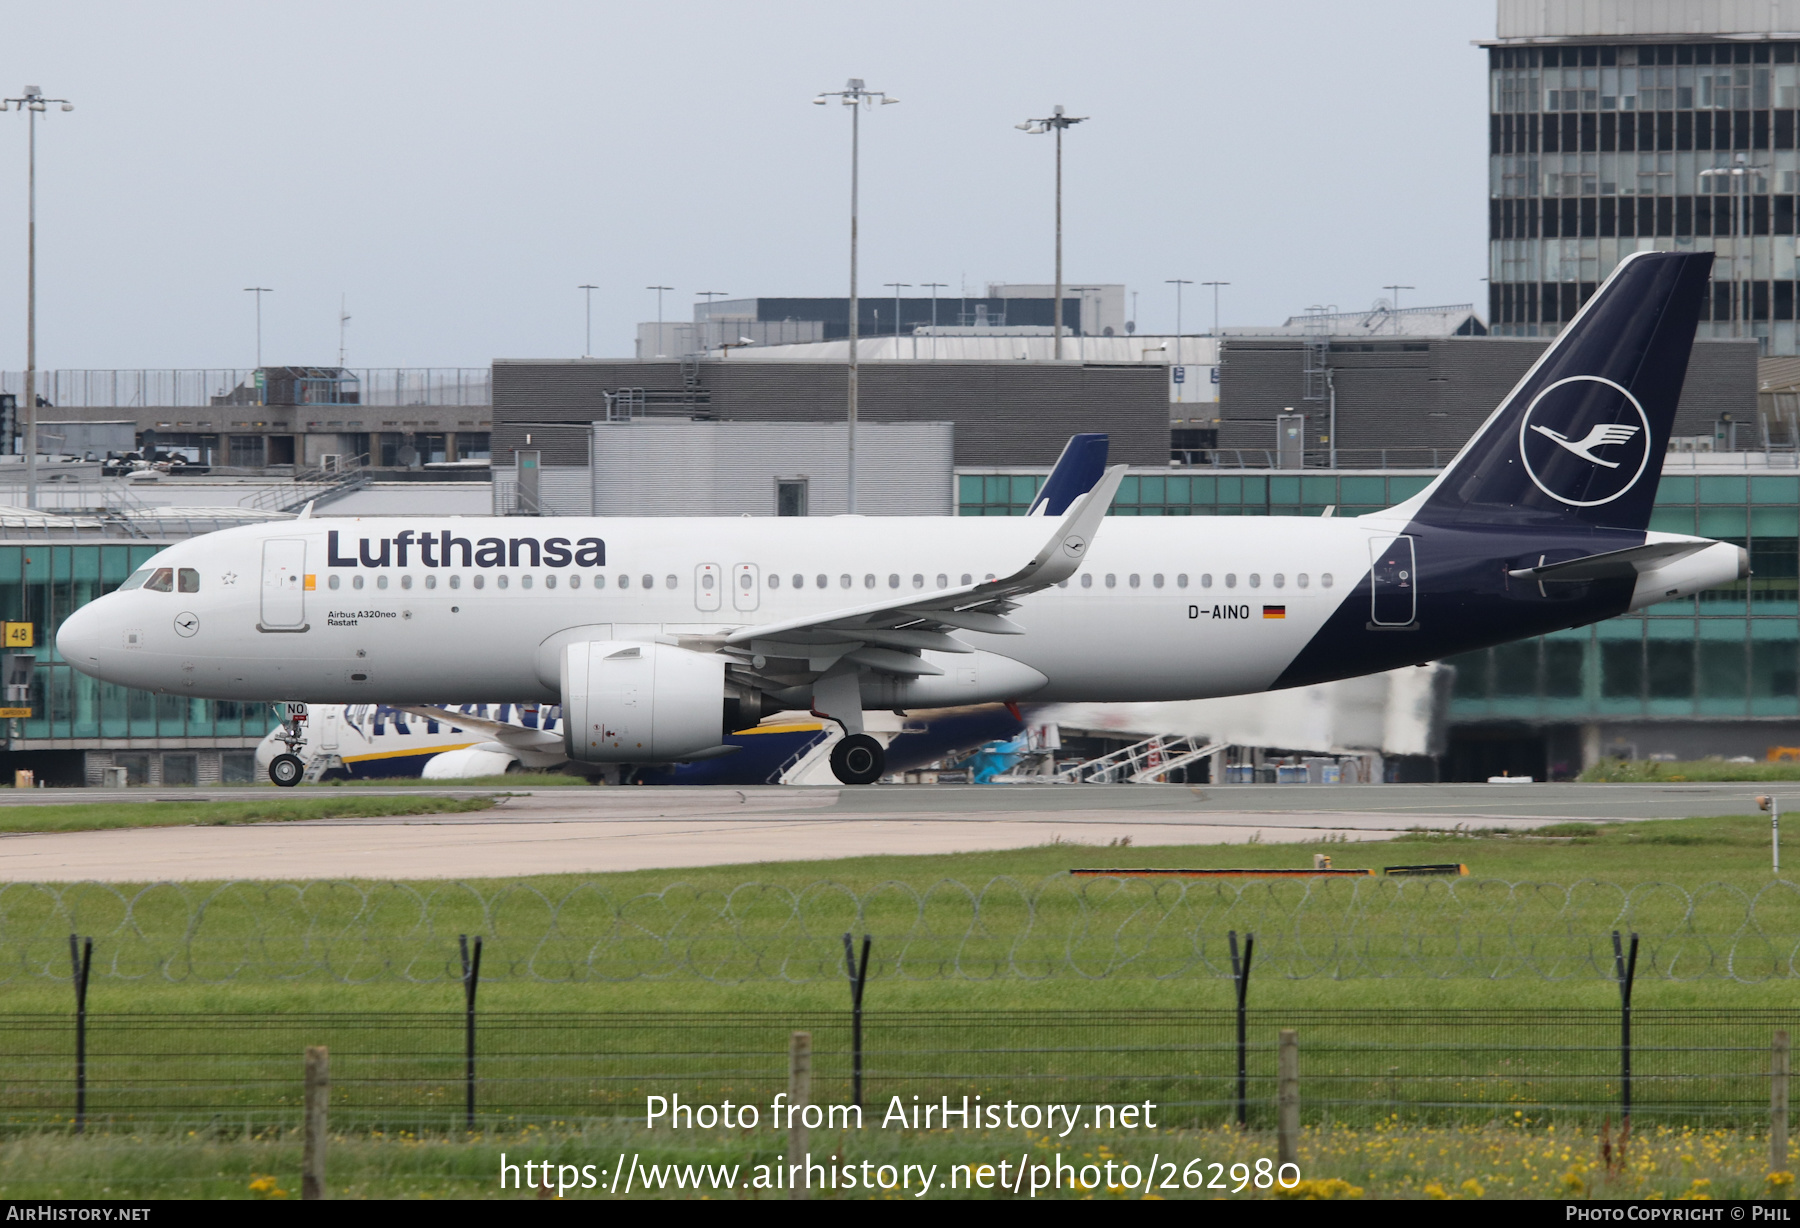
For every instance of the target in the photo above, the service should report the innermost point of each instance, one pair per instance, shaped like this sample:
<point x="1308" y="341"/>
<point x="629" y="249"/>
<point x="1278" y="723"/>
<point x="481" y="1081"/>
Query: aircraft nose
<point x="81" y="638"/>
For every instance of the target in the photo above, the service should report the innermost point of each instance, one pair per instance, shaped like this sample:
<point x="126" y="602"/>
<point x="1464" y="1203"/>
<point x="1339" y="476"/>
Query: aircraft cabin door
<point x="283" y="585"/>
<point x="1393" y="575"/>
<point x="708" y="581"/>
<point x="746" y="585"/>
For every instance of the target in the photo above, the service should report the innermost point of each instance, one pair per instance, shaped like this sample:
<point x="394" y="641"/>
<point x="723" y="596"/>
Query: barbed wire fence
<point x="1003" y="930"/>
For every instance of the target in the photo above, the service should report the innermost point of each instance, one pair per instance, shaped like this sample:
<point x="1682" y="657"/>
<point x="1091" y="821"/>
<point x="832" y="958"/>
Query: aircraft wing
<point x="889" y="635"/>
<point x="516" y="736"/>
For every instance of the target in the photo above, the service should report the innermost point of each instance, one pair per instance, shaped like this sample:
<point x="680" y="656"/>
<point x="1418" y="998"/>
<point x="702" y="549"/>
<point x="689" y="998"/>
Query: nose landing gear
<point x="287" y="769"/>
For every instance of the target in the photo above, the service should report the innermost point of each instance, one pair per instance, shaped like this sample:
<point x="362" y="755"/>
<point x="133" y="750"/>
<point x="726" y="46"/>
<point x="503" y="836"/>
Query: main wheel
<point x="286" y="770"/>
<point x="858" y="760"/>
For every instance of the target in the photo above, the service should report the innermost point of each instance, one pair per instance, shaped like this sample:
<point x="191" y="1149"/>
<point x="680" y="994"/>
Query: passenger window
<point x="1181" y="580"/>
<point x="669" y="582"/>
<point x="135" y="580"/>
<point x="943" y="580"/>
<point x="918" y="581"/>
<point x="1112" y="581"/>
<point x="868" y="581"/>
<point x="356" y="582"/>
<point x="163" y="581"/>
<point x="1156" y="580"/>
<point x="624" y="581"/>
<point x="524" y="581"/>
<point x="1230" y="580"/>
<point x="893" y="581"/>
<point x="706" y="582"/>
<point x="599" y="581"/>
<point x="334" y="582"/>
<point x="843" y="581"/>
<point x="1134" y="580"/>
<point x="821" y="581"/>
<point x="967" y="578"/>
<point x="381" y="581"/>
<point x="500" y="581"/>
<point x="430" y="581"/>
<point x="574" y="581"/>
<point x="550" y="581"/>
<point x="1087" y="580"/>
<point x="990" y="578"/>
<point x="1062" y="584"/>
<point x="189" y="580"/>
<point x="1255" y="580"/>
<point x="455" y="581"/>
<point x="405" y="581"/>
<point x="1300" y="579"/>
<point x="650" y="581"/>
<point x="1325" y="580"/>
<point x="774" y="580"/>
<point x="799" y="581"/>
<point x="480" y="580"/>
<point x="1279" y="579"/>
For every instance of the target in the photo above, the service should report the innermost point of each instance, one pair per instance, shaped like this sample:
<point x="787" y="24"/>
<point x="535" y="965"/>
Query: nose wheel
<point x="858" y="760"/>
<point x="286" y="770"/>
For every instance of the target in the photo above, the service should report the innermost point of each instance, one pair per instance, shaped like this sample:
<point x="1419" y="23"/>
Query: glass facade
<point x="41" y="584"/>
<point x="1597" y="151"/>
<point x="1730" y="652"/>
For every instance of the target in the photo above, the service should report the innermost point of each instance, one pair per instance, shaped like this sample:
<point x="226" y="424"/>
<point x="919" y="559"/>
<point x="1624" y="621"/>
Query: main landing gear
<point x="287" y="769"/>
<point x="858" y="760"/>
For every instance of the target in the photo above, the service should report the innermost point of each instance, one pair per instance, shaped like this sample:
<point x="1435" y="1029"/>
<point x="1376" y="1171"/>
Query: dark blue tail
<point x="1082" y="462"/>
<point x="1584" y="433"/>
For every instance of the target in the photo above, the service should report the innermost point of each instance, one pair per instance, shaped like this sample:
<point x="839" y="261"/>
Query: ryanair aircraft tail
<point x="1582" y="436"/>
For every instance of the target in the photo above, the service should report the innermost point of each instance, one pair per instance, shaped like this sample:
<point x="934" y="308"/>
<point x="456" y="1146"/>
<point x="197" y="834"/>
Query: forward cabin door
<point x="284" y="585"/>
<point x="1393" y="576"/>
<point x="746" y="589"/>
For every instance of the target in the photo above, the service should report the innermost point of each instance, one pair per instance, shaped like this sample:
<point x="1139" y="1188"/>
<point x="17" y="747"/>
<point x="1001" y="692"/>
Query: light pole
<point x="1037" y="127"/>
<point x="855" y="96"/>
<point x="897" y="286"/>
<point x="709" y="296"/>
<point x="1739" y="189"/>
<point x="1177" y="282"/>
<point x="1215" y="289"/>
<point x="32" y="104"/>
<point x="588" y="350"/>
<point x="258" y="291"/>
<point x="934" y="287"/>
<point x="1396" y="290"/>
<point x="659" y="316"/>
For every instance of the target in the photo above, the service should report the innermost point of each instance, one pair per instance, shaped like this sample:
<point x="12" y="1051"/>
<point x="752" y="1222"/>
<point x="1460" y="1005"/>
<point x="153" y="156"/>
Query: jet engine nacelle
<point x="626" y="702"/>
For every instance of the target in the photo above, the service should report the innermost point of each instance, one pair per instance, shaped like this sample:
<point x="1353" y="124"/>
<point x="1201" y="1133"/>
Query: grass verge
<point x="1514" y="1159"/>
<point x="1645" y="771"/>
<point x="201" y="812"/>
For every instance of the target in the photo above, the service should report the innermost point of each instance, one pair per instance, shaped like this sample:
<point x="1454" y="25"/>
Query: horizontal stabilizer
<point x="1613" y="565"/>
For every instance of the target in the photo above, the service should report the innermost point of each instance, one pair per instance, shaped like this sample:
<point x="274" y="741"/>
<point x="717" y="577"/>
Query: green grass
<point x="1516" y="1160"/>
<point x="1044" y="940"/>
<point x="510" y="780"/>
<point x="201" y="812"/>
<point x="1645" y="771"/>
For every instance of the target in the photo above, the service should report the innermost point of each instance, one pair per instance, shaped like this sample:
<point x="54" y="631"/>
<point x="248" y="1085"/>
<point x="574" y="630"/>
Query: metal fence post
<point x="799" y="1096"/>
<point x="471" y="979"/>
<point x="1625" y="971"/>
<point x="81" y="960"/>
<point x="859" y="977"/>
<point x="318" y="1098"/>
<point x="1287" y="1098"/>
<point x="1240" y="979"/>
<point x="1778" y="1104"/>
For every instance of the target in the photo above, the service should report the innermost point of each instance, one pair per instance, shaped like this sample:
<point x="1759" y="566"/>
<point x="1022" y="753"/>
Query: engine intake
<point x="626" y="702"/>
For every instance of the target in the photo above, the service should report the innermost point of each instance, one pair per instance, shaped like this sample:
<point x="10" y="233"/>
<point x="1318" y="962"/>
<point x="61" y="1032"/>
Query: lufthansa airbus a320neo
<point x="661" y="636"/>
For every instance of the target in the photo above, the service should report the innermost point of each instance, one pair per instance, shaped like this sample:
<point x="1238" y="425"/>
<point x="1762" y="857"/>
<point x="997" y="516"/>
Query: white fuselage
<point x="1164" y="608"/>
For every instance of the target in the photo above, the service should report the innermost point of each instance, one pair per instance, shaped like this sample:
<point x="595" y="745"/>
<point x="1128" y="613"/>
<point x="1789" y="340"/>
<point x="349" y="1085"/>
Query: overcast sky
<point x="455" y="171"/>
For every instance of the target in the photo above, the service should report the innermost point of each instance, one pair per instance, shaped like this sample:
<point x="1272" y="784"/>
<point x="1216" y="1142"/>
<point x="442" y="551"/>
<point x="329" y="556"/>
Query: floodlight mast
<point x="32" y="103"/>
<point x="1055" y="122"/>
<point x="856" y="96"/>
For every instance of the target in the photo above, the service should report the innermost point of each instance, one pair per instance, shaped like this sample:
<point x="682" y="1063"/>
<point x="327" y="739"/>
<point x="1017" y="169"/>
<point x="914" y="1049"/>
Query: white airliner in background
<point x="660" y="637"/>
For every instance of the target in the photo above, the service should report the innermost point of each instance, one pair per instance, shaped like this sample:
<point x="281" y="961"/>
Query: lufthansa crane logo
<point x="1585" y="440"/>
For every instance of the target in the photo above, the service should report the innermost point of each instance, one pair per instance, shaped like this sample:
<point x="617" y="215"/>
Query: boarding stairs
<point x="1140" y="763"/>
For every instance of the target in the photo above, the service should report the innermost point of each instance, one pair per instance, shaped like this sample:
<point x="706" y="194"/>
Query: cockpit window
<point x="135" y="580"/>
<point x="189" y="580"/>
<point x="162" y="581"/>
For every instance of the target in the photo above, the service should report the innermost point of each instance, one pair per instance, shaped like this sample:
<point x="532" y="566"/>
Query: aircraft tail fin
<point x="1583" y="434"/>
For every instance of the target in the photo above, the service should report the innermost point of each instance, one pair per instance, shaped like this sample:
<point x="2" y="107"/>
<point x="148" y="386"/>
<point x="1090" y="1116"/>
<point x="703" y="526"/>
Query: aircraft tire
<point x="286" y="770"/>
<point x="858" y="760"/>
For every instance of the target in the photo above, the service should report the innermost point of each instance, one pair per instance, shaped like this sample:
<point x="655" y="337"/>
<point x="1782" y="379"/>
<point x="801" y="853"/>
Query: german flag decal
<point x="1274" y="611"/>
